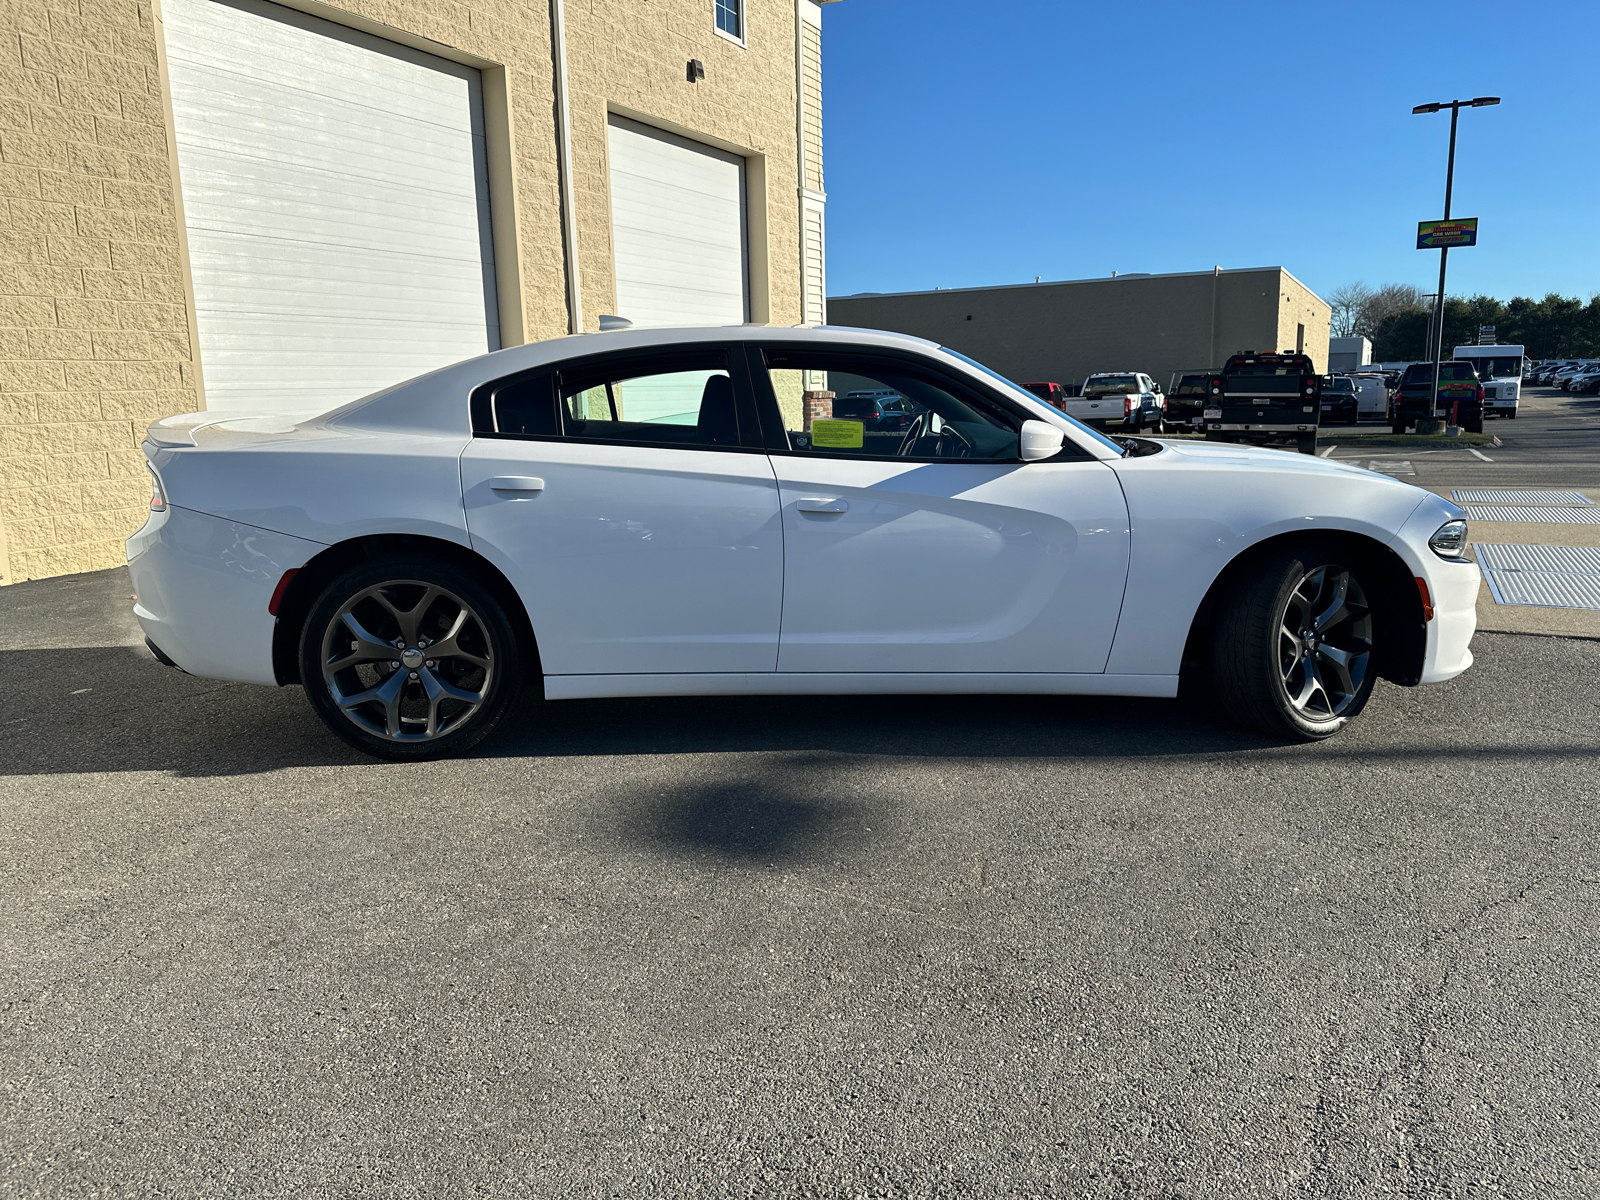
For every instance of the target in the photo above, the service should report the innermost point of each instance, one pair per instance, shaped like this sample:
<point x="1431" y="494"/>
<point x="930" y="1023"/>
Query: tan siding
<point x="816" y="300"/>
<point x="811" y="103"/>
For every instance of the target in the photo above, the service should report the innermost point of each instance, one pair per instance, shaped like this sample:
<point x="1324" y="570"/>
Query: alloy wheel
<point x="1324" y="643"/>
<point x="407" y="660"/>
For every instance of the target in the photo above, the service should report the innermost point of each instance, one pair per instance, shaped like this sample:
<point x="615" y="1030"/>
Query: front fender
<point x="1194" y="511"/>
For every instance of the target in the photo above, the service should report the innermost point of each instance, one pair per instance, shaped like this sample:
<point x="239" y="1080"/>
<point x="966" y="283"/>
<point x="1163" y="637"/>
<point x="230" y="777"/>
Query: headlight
<point x="158" y="494"/>
<point x="1449" y="540"/>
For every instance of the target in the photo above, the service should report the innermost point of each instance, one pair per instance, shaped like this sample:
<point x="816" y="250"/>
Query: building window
<point x="730" y="18"/>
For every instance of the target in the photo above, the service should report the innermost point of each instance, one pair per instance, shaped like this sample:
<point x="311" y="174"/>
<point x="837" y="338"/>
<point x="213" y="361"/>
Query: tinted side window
<point x="933" y="419"/>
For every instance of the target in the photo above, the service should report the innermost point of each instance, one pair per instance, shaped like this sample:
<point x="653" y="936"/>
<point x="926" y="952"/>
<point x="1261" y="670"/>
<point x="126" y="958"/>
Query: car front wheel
<point x="1292" y="653"/>
<point x="409" y="659"/>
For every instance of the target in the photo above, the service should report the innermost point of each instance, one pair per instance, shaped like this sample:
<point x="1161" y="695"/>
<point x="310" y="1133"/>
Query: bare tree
<point x="1389" y="300"/>
<point x="1347" y="302"/>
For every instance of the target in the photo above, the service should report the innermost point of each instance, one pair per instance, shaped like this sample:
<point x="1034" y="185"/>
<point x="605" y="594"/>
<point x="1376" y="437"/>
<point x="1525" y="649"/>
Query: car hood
<point x="1234" y="455"/>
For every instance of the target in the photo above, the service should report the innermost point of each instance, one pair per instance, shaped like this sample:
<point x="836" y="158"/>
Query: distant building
<point x="1061" y="332"/>
<point x="1348" y="353"/>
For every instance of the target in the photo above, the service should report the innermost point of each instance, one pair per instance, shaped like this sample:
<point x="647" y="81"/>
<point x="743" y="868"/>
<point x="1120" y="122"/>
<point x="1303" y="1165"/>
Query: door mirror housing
<point x="1040" y="440"/>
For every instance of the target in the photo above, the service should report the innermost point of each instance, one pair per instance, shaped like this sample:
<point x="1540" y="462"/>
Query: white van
<point x="1372" y="397"/>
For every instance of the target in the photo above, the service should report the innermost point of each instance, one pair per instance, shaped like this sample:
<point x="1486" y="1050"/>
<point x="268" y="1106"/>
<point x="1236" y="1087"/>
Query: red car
<point x="1052" y="394"/>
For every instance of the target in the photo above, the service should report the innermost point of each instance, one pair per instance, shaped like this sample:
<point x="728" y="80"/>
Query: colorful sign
<point x="837" y="435"/>
<point x="1437" y="235"/>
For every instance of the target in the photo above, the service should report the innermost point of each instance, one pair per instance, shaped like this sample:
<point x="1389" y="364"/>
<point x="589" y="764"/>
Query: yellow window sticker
<point x="837" y="435"/>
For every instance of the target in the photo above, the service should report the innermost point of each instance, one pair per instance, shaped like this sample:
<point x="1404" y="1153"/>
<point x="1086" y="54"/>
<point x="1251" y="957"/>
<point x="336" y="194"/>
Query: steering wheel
<point x="930" y="424"/>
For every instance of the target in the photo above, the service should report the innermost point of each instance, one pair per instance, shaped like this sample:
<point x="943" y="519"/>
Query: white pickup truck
<point x="1127" y="401"/>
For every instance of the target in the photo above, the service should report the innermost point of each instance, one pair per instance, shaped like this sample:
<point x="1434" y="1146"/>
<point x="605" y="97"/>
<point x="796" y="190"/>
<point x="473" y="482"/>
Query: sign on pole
<point x="1437" y="235"/>
<point x="1485" y="335"/>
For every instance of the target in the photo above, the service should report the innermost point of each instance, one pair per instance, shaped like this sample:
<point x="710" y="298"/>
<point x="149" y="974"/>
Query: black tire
<point x="1306" y="443"/>
<point x="1255" y="663"/>
<point x="1398" y="427"/>
<point x="441" y="703"/>
<point x="1474" y="426"/>
<point x="1512" y="415"/>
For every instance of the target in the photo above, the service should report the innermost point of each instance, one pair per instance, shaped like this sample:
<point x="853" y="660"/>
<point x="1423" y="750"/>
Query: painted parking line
<point x="1479" y="453"/>
<point x="1328" y="451"/>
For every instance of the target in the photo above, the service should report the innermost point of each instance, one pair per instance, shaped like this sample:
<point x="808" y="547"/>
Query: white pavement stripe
<point x="1479" y="453"/>
<point x="1328" y="451"/>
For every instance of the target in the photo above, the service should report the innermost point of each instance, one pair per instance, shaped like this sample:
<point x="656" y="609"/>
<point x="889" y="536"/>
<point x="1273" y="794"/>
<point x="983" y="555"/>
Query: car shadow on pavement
<point x="114" y="708"/>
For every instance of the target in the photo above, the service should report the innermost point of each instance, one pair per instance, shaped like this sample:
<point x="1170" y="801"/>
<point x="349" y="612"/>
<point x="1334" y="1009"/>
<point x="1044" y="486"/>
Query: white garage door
<point x="677" y="229"/>
<point x="337" y="206"/>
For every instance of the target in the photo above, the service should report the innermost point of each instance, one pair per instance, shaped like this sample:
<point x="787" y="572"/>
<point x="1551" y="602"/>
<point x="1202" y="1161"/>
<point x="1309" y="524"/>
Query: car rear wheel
<point x="1398" y="427"/>
<point x="1292" y="653"/>
<point x="409" y="659"/>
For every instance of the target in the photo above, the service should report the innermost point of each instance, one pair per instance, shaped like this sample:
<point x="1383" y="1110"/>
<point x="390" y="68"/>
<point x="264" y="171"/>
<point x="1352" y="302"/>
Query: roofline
<point x="1000" y="287"/>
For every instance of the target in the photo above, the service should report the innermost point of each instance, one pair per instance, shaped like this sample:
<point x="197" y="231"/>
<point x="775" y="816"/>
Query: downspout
<point x="1216" y="275"/>
<point x="569" y="217"/>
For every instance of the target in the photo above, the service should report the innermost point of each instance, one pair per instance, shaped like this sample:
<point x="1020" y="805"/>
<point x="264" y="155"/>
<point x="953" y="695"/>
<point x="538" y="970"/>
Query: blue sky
<point x="974" y="143"/>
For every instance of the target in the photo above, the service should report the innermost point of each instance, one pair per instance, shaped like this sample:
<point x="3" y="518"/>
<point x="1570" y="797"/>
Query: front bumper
<point x="202" y="585"/>
<point x="1452" y="586"/>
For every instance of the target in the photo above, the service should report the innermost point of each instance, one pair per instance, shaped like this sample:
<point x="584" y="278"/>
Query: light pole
<point x="1455" y="107"/>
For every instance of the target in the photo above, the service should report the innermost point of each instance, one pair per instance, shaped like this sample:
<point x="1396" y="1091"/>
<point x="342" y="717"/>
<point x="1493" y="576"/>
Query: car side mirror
<point x="1039" y="440"/>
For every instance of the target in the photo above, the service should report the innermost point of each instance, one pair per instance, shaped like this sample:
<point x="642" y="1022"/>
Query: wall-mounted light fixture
<point x="697" y="70"/>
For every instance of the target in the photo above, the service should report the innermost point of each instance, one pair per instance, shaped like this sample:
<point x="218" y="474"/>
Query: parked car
<point x="1339" y="405"/>
<point x="413" y="558"/>
<point x="1554" y="375"/>
<point x="1186" y="403"/>
<point x="1127" y="401"/>
<point x="1459" y="392"/>
<point x="1052" y="394"/>
<point x="1372" y="396"/>
<point x="878" y="411"/>
<point x="1585" y="381"/>
<point x="1266" y="398"/>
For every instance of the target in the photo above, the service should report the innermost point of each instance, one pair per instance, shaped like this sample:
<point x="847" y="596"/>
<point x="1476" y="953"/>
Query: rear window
<point x="1448" y="372"/>
<point x="1192" y="385"/>
<point x="1101" y="385"/>
<point x="1341" y="385"/>
<point x="852" y="406"/>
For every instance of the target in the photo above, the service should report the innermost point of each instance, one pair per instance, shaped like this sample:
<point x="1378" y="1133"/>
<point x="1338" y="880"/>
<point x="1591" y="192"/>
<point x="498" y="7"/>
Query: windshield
<point x="1495" y="368"/>
<point x="1107" y="385"/>
<point x="1078" y="426"/>
<point x="1423" y="372"/>
<point x="1340" y="385"/>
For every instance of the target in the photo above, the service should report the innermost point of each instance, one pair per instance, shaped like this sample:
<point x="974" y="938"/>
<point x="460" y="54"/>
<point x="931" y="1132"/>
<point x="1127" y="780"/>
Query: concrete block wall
<point x="95" y="338"/>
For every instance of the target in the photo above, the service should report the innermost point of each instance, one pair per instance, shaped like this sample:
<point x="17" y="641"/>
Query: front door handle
<point x="516" y="483"/>
<point x="822" y="506"/>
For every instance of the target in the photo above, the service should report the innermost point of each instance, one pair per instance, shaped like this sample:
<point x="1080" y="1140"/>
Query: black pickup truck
<point x="1460" y="395"/>
<point x="1266" y="398"/>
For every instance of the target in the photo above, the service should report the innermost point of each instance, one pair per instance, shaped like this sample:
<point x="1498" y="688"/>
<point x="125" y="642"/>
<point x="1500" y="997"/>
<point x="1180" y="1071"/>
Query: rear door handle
<point x="822" y="506"/>
<point x="516" y="483"/>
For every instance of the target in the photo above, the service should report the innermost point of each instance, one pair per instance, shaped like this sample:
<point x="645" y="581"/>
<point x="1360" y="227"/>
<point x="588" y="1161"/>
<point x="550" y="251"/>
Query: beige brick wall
<point x="1303" y="307"/>
<point x="95" y="320"/>
<point x="94" y="332"/>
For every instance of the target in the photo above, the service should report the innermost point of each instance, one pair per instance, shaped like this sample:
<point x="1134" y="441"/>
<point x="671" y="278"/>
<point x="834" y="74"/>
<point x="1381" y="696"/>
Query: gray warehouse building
<point x="1061" y="332"/>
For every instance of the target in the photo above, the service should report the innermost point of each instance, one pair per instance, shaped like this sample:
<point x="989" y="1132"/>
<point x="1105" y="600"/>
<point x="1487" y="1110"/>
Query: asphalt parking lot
<point x="857" y="947"/>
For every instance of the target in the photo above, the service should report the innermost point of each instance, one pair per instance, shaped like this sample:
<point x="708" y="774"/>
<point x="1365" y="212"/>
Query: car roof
<point x="414" y="403"/>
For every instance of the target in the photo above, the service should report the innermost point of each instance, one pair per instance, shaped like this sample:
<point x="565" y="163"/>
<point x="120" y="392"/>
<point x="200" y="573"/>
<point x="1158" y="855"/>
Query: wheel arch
<point x="312" y="578"/>
<point x="1401" y="637"/>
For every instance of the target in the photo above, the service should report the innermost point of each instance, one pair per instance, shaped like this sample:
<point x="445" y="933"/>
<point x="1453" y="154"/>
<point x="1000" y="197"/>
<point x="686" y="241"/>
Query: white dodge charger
<point x="677" y="512"/>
